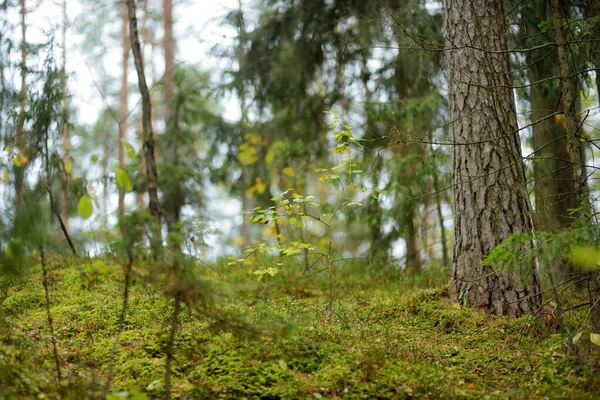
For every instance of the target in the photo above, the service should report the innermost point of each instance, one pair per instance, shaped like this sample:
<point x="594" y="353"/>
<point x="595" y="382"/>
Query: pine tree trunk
<point x="64" y="200"/>
<point x="147" y="62"/>
<point x="173" y="193"/>
<point x="553" y="173"/>
<point x="20" y="170"/>
<point x="570" y="107"/>
<point x="373" y="164"/>
<point x="488" y="173"/>
<point x="246" y="178"/>
<point x="575" y="150"/>
<point x="124" y="108"/>
<point x="148" y="134"/>
<point x="413" y="261"/>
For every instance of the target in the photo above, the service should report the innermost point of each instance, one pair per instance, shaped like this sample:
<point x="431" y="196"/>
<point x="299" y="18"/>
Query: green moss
<point x="387" y="340"/>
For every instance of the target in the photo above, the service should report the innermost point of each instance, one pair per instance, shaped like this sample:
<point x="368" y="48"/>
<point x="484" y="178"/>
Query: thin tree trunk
<point x="377" y="244"/>
<point x="438" y="207"/>
<point x="104" y="167"/>
<point x="575" y="149"/>
<point x="553" y="172"/>
<point x="64" y="201"/>
<point x="173" y="193"/>
<point x="124" y="107"/>
<point x="413" y="262"/>
<point x="568" y="95"/>
<point x="148" y="134"/>
<point x="489" y="179"/>
<point x="20" y="170"/>
<point x="146" y="61"/>
<point x="405" y="85"/>
<point x="440" y="215"/>
<point x="247" y="203"/>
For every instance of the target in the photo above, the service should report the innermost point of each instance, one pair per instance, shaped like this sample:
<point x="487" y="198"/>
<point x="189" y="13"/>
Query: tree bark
<point x="20" y="170"/>
<point x="374" y="164"/>
<point x="488" y="173"/>
<point x="570" y="108"/>
<point x="575" y="149"/>
<point x="148" y="134"/>
<point x="553" y="172"/>
<point x="147" y="62"/>
<point x="173" y="193"/>
<point x="413" y="261"/>
<point x="64" y="201"/>
<point x="123" y="106"/>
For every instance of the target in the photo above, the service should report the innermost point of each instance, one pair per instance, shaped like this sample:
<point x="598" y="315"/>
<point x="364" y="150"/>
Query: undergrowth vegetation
<point x="391" y="337"/>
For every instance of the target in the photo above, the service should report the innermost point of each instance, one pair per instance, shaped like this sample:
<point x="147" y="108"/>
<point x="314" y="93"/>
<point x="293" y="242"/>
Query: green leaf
<point x="84" y="207"/>
<point x="595" y="338"/>
<point x="293" y="221"/>
<point x="69" y="166"/>
<point x="94" y="158"/>
<point x="128" y="148"/>
<point x="577" y="337"/>
<point x="123" y="180"/>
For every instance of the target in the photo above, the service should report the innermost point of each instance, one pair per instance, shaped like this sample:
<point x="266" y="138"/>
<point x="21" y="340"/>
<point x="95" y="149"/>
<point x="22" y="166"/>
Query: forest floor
<point x="390" y="337"/>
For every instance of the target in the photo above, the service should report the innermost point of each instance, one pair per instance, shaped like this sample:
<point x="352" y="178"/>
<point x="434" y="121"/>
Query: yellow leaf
<point x="238" y="241"/>
<point x="4" y="175"/>
<point x="270" y="156"/>
<point x="20" y="160"/>
<point x="288" y="171"/>
<point x="259" y="186"/>
<point x="247" y="154"/>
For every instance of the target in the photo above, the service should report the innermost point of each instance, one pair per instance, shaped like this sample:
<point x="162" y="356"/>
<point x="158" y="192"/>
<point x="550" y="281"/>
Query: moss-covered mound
<point x="385" y="341"/>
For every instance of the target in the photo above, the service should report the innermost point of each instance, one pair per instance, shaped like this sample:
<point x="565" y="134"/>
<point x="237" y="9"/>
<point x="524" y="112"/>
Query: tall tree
<point x="148" y="134"/>
<point x="65" y="126"/>
<point x="123" y="103"/>
<point x="489" y="180"/>
<point x="553" y="172"/>
<point x="173" y="193"/>
<point x="20" y="168"/>
<point x="575" y="149"/>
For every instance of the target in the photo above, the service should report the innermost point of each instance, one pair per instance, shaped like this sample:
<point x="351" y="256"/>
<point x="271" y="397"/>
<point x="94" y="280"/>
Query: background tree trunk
<point x="173" y="200"/>
<point x="488" y="176"/>
<point x="553" y="172"/>
<point x="148" y="134"/>
<point x="64" y="201"/>
<point x="575" y="149"/>
<point x="20" y="170"/>
<point x="123" y="106"/>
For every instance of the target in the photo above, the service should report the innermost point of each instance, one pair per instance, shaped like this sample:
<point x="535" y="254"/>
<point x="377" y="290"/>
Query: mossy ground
<point x="389" y="338"/>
